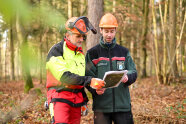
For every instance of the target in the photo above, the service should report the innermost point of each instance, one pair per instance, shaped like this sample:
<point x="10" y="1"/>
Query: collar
<point x="107" y="45"/>
<point x="72" y="46"/>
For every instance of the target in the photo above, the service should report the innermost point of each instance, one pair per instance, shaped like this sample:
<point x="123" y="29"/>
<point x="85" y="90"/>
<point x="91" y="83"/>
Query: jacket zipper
<point x="113" y="92"/>
<point x="110" y="61"/>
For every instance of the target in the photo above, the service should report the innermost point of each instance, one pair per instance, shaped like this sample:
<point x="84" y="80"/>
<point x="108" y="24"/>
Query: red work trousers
<point x="64" y="113"/>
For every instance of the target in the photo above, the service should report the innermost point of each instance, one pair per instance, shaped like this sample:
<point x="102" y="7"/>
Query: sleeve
<point x="131" y="67"/>
<point x="90" y="71"/>
<point x="90" y="67"/>
<point x="58" y="67"/>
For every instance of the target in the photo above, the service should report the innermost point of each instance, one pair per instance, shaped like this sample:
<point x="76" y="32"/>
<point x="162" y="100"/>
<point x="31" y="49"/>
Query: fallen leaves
<point x="151" y="103"/>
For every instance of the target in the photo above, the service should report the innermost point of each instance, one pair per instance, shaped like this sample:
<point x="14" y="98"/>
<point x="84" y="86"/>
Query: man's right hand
<point x="97" y="83"/>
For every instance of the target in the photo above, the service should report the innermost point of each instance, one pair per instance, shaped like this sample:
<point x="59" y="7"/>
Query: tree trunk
<point x="172" y="35"/>
<point x="144" y="33"/>
<point x="47" y="44"/>
<point x="1" y="73"/>
<point x="183" y="59"/>
<point x="70" y="9"/>
<point x="156" y="56"/>
<point x="5" y="56"/>
<point x="26" y="66"/>
<point x="132" y="39"/>
<point x="82" y="7"/>
<point x="180" y="38"/>
<point x="40" y="51"/>
<point x="114" y="6"/>
<point x="12" y="76"/>
<point x="95" y="12"/>
<point x="164" y="27"/>
<point x="181" y="18"/>
<point x="41" y="62"/>
<point x="22" y="37"/>
<point x="184" y="46"/>
<point x="120" y="38"/>
<point x="18" y="72"/>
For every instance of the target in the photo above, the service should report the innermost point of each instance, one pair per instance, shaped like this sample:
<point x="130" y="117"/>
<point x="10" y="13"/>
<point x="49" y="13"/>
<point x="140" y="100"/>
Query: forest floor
<point x="151" y="103"/>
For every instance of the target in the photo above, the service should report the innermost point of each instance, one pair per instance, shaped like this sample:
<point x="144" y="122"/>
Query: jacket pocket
<point x="118" y="65"/>
<point x="122" y="97"/>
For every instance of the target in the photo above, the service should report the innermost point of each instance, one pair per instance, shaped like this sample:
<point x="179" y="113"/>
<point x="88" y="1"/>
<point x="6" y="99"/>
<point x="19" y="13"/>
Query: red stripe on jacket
<point x="118" y="58"/>
<point x="96" y="61"/>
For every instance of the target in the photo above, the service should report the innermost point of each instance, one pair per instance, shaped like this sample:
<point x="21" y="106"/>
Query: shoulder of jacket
<point x="56" y="50"/>
<point x="122" y="48"/>
<point x="93" y="49"/>
<point x="93" y="52"/>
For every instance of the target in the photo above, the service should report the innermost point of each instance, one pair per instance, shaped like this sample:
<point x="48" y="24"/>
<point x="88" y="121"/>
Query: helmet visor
<point x="83" y="25"/>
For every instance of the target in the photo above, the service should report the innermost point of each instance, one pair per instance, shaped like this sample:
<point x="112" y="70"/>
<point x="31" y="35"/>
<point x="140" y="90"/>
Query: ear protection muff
<point x="71" y="25"/>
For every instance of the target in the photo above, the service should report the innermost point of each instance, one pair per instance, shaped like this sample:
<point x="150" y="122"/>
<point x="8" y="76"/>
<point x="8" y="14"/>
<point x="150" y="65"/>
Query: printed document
<point x="113" y="78"/>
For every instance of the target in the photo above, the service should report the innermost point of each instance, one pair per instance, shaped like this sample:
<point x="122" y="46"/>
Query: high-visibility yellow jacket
<point x="66" y="68"/>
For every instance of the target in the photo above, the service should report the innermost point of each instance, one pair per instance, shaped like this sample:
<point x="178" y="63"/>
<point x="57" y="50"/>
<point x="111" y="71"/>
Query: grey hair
<point x="69" y="32"/>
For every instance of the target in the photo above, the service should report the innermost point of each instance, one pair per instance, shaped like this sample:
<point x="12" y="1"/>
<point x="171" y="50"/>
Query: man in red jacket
<point x="66" y="74"/>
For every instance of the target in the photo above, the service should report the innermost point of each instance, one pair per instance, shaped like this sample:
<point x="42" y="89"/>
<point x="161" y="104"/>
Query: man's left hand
<point x="125" y="79"/>
<point x="100" y="91"/>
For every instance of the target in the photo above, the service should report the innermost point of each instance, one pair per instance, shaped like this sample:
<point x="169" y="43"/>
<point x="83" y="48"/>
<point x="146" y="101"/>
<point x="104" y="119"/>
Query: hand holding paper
<point x="100" y="91"/>
<point x="97" y="83"/>
<point x="125" y="79"/>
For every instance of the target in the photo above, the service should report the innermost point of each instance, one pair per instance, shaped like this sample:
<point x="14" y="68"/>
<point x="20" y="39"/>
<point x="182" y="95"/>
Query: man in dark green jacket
<point x="111" y="104"/>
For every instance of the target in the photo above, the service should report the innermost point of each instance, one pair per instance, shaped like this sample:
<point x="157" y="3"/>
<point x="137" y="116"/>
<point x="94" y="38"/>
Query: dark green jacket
<point x="110" y="57"/>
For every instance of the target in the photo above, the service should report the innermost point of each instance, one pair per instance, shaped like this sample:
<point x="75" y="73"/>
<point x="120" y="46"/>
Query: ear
<point x="116" y="29"/>
<point x="67" y="35"/>
<point x="101" y="30"/>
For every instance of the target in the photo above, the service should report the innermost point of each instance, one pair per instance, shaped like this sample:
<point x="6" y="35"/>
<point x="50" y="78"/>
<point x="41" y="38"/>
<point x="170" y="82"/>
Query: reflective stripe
<point x="51" y="107"/>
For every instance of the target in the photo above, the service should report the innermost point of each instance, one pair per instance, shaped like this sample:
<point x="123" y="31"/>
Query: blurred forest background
<point x="153" y="30"/>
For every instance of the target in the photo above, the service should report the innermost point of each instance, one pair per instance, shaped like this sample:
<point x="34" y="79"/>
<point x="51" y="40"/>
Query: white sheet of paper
<point x="114" y="78"/>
